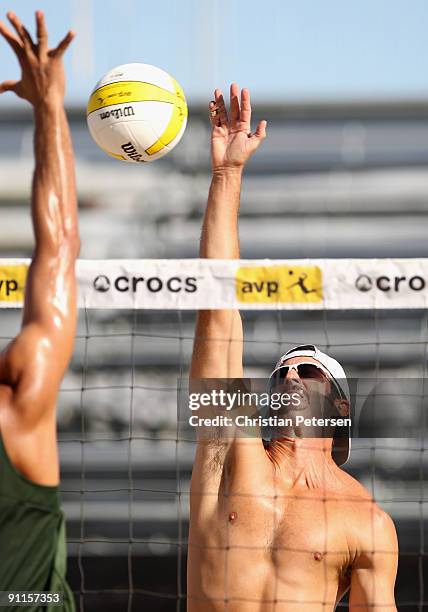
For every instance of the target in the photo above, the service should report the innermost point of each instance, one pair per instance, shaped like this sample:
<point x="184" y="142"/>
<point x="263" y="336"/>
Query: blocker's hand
<point x="42" y="78"/>
<point x="232" y="142"/>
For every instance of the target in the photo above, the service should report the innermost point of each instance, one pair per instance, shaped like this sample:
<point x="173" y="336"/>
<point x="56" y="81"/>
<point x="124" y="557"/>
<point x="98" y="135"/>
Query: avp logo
<point x="285" y="284"/>
<point x="153" y="284"/>
<point x="12" y="282"/>
<point x="388" y="284"/>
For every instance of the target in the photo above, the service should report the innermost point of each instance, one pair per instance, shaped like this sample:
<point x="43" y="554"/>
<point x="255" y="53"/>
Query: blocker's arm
<point x="34" y="363"/>
<point x="41" y="352"/>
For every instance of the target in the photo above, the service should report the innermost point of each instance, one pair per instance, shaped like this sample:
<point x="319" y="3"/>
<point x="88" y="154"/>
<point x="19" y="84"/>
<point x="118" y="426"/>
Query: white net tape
<point x="191" y="284"/>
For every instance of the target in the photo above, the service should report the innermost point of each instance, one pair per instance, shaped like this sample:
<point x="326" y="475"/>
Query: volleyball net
<point x="126" y="455"/>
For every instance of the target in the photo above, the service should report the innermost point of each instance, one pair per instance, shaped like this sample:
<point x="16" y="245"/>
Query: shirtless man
<point x="32" y="537"/>
<point x="274" y="526"/>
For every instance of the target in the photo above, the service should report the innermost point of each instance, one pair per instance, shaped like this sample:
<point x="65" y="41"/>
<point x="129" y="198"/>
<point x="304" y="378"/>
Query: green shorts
<point x="33" y="554"/>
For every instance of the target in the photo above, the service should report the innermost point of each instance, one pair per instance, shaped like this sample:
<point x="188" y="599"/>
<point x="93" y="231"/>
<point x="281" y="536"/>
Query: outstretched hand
<point x="42" y="72"/>
<point x="232" y="142"/>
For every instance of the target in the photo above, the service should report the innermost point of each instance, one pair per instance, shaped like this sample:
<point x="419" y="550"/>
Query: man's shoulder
<point x="372" y="527"/>
<point x="376" y="541"/>
<point x="352" y="488"/>
<point x="359" y="502"/>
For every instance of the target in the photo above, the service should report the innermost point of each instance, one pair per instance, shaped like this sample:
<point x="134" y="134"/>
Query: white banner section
<point x="193" y="284"/>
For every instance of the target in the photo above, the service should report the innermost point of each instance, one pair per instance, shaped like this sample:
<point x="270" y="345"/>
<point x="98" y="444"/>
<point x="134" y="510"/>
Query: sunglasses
<point x="306" y="370"/>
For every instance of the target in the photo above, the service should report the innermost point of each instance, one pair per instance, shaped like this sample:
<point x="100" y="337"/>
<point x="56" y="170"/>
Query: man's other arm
<point x="375" y="570"/>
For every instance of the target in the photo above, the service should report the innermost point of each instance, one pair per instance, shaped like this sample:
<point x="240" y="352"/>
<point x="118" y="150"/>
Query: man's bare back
<point x="286" y="537"/>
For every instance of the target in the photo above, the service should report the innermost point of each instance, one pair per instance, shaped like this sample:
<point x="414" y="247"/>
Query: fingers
<point x="63" y="45"/>
<point x="234" y="104"/>
<point x="24" y="41"/>
<point x="23" y="34"/>
<point x="221" y="106"/>
<point x="8" y="86"/>
<point x="260" y="132"/>
<point x="218" y="113"/>
<point x="13" y="41"/>
<point x="245" y="110"/>
<point x="239" y="115"/>
<point x="42" y="34"/>
<point x="214" y="118"/>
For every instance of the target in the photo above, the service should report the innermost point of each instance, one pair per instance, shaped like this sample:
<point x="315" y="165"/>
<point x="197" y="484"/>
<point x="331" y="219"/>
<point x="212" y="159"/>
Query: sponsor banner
<point x="283" y="284"/>
<point x="194" y="284"/>
<point x="13" y="275"/>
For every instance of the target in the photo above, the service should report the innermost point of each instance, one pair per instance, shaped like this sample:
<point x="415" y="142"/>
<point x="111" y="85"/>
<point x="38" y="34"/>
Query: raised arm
<point x="217" y="351"/>
<point x="218" y="345"/>
<point x="33" y="364"/>
<point x="374" y="571"/>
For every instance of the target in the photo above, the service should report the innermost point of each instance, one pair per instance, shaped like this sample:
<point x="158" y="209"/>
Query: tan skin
<point x="278" y="528"/>
<point x="33" y="364"/>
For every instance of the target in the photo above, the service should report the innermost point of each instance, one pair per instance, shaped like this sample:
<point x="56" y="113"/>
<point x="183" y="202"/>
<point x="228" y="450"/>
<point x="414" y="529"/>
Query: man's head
<point x="320" y="382"/>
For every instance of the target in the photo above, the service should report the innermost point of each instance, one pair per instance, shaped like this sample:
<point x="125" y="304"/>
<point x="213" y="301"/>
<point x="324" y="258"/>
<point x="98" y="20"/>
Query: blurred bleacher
<point x="346" y="180"/>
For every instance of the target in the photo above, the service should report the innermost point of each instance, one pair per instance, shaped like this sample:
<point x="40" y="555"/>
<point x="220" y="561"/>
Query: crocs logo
<point x="386" y="284"/>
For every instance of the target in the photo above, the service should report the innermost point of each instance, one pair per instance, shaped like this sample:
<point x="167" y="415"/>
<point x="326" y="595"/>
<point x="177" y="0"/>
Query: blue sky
<point x="281" y="49"/>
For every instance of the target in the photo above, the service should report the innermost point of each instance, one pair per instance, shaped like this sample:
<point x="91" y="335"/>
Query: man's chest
<point x="309" y="528"/>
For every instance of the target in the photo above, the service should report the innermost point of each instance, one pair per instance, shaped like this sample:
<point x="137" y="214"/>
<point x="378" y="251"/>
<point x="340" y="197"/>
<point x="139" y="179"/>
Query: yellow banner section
<point x="12" y="282"/>
<point x="281" y="284"/>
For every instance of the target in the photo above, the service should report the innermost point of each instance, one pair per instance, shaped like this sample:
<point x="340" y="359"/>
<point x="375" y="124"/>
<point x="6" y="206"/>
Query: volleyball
<point x="137" y="113"/>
